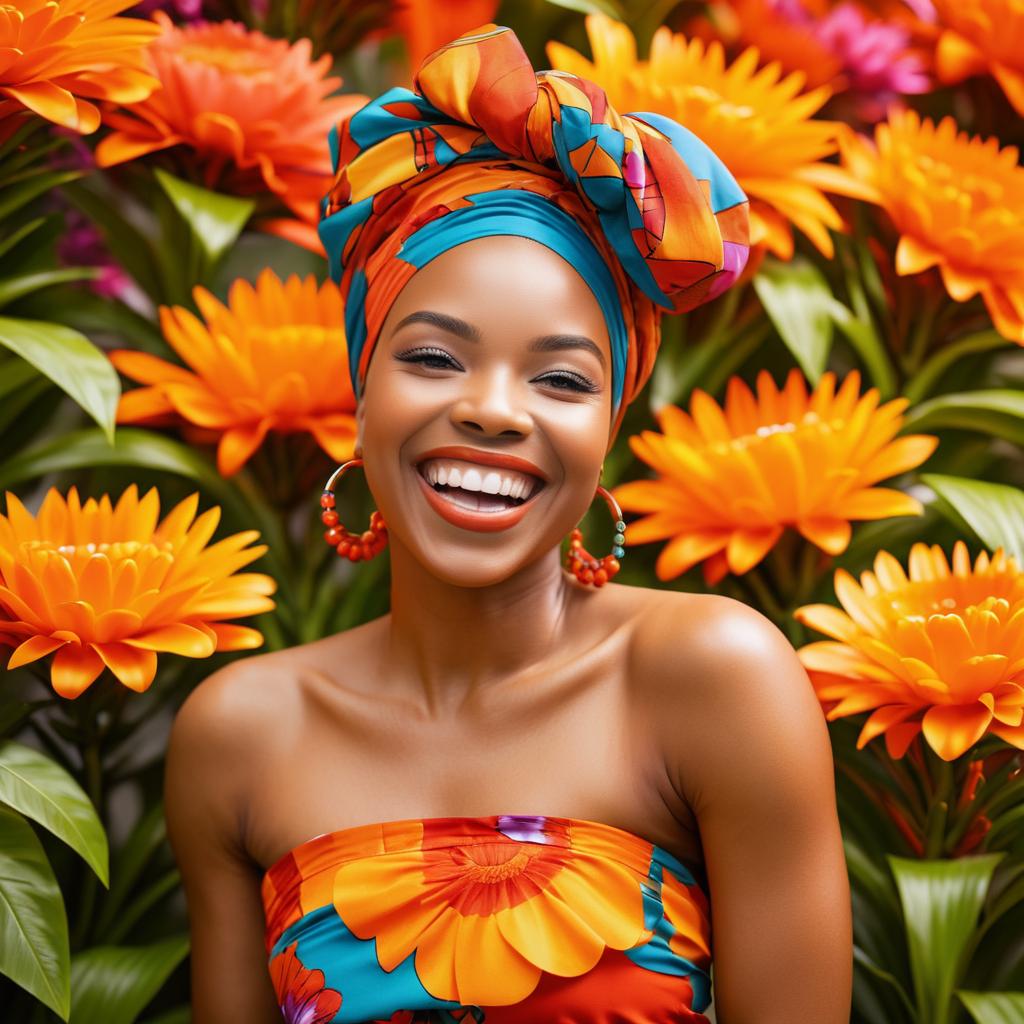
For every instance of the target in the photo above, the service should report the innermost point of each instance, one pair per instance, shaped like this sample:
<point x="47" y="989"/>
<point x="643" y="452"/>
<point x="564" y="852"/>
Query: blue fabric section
<point x="701" y="160"/>
<point x="656" y="955"/>
<point x="609" y="195"/>
<point x="355" y="324"/>
<point x="527" y="215"/>
<point x="350" y="966"/>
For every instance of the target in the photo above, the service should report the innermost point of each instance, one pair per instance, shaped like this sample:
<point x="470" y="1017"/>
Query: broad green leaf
<point x="798" y="299"/>
<point x="43" y="791"/>
<point x="994" y="1007"/>
<point x="12" y="288"/>
<point x="216" y="220"/>
<point x="863" y="960"/>
<point x="941" y="902"/>
<point x="33" y="925"/>
<point x="114" y="984"/>
<point x="71" y="361"/>
<point x="999" y="412"/>
<point x="995" y="512"/>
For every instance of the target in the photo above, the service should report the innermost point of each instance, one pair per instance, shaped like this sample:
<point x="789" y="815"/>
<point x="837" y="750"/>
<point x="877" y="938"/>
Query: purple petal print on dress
<point x="523" y="828"/>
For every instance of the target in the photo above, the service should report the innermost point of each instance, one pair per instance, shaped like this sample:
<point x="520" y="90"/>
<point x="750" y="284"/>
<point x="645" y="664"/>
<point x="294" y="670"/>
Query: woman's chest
<point x="569" y="743"/>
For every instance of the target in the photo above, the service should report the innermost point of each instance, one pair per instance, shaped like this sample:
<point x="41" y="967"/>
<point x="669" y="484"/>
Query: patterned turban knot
<point x="642" y="209"/>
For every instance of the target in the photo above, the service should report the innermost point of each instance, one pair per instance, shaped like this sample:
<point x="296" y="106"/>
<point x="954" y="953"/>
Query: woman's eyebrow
<point x="466" y="331"/>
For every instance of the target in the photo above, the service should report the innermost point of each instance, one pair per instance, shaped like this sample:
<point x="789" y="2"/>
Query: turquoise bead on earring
<point x="619" y="539"/>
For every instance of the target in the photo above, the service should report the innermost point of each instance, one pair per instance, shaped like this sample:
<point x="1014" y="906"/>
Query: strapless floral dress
<point x="508" y="919"/>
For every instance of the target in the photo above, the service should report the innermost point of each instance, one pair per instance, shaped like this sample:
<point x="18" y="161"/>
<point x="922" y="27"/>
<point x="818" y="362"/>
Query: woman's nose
<point x="491" y="404"/>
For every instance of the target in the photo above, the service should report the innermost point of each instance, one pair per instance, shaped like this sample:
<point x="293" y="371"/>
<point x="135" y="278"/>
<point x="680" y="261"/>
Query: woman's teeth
<point x="477" y="490"/>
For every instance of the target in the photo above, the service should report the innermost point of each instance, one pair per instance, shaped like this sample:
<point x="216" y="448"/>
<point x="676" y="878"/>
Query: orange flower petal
<point x="953" y="729"/>
<point x="34" y="648"/>
<point x="236" y="638"/>
<point x="134" y="668"/>
<point x="74" y="669"/>
<point x="178" y="638"/>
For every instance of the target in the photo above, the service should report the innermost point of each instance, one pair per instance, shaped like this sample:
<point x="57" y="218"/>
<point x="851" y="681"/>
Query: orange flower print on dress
<point x="687" y="910"/>
<point x="300" y="992"/>
<point x="486" y="916"/>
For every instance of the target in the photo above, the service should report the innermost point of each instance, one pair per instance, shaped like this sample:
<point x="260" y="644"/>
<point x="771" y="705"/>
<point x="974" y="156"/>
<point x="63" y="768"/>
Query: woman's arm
<point x="755" y="763"/>
<point x="205" y="792"/>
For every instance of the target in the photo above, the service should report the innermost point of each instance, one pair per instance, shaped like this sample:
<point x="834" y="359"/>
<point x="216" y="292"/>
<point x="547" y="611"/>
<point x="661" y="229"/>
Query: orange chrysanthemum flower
<point x="55" y="52"/>
<point x="939" y="653"/>
<point x="983" y="36"/>
<point x="758" y="122"/>
<point x="957" y="203"/>
<point x="255" y="110"/>
<point x="731" y="480"/>
<point x="106" y="586"/>
<point x="274" y="359"/>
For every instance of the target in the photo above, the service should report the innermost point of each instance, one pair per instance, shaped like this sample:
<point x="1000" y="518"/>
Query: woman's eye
<point x="435" y="358"/>
<point x="570" y="382"/>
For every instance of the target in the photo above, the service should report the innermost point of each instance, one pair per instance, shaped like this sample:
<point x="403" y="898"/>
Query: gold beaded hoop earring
<point x="584" y="566"/>
<point x="353" y="546"/>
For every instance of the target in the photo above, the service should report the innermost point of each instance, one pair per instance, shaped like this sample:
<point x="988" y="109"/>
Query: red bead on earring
<point x="584" y="566"/>
<point x="353" y="546"/>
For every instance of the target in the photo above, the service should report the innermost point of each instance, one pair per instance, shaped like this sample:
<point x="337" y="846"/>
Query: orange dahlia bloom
<point x="957" y="203"/>
<point x="983" y="36"/>
<point x="274" y="359"/>
<point x="938" y="652"/>
<point x="757" y="121"/>
<point x="107" y="586"/>
<point x="731" y="480"/>
<point x="53" y="53"/>
<point x="255" y="110"/>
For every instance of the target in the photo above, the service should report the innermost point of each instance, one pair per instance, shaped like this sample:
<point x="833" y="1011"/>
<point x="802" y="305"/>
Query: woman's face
<point x="492" y="372"/>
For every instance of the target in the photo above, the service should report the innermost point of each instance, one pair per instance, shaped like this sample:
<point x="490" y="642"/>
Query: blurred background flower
<point x="757" y="120"/>
<point x="983" y="37"/>
<point x="57" y="55"/>
<point x="957" y="203"/>
<point x="939" y="651"/>
<point x="252" y="112"/>
<point x="273" y="359"/>
<point x="106" y="586"/>
<point x="731" y="480"/>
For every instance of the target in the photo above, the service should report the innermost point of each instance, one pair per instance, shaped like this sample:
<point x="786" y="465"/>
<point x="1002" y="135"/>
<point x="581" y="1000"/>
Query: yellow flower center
<point x="243" y="61"/>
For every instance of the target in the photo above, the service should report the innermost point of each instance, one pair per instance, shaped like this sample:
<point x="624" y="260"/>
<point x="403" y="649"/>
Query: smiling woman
<point x="515" y="797"/>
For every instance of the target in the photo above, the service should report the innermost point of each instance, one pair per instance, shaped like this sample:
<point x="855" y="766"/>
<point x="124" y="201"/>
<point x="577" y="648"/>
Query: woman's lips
<point x="468" y="519"/>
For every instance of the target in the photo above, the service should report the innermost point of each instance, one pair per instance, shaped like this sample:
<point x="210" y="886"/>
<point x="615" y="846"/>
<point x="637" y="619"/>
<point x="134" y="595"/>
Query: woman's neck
<point x="447" y="642"/>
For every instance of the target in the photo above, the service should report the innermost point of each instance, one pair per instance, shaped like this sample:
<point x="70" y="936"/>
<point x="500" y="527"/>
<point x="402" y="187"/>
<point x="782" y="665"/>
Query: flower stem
<point x="920" y="385"/>
<point x="935" y="828"/>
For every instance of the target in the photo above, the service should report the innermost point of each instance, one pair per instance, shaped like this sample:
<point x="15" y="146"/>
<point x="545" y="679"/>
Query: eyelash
<point x="423" y="355"/>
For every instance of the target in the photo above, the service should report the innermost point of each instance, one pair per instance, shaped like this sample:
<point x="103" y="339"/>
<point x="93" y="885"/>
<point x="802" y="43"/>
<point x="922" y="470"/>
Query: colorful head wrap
<point x="644" y="211"/>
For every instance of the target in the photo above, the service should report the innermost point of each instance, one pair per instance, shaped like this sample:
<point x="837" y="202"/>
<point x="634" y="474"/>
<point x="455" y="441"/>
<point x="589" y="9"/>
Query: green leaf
<point x="43" y="791"/>
<point x="798" y="299"/>
<point x="941" y="902"/>
<point x="216" y="220"/>
<point x="20" y="235"/>
<point x="33" y="925"/>
<point x="179" y="1015"/>
<point x="994" y="1007"/>
<point x="867" y="343"/>
<point x="16" y="196"/>
<point x="999" y="412"/>
<point x="129" y="862"/>
<point x="613" y="10"/>
<point x="12" y="288"/>
<point x="132" y="249"/>
<point x="71" y="361"/>
<point x="994" y="512"/>
<point x="113" y="984"/>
